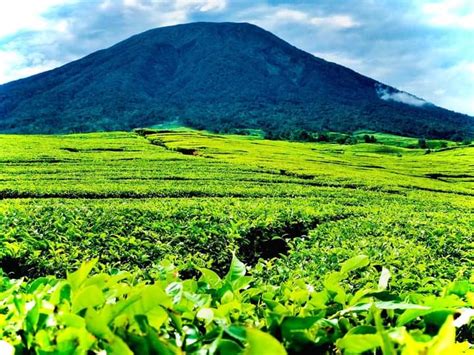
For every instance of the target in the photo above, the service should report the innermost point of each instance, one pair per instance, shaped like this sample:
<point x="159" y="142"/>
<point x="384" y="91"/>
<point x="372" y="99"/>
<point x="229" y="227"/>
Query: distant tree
<point x="422" y="143"/>
<point x="298" y="135"/>
<point x="305" y="136"/>
<point x="269" y="135"/>
<point x="342" y="139"/>
<point x="322" y="138"/>
<point x="351" y="140"/>
<point x="346" y="139"/>
<point x="369" y="139"/>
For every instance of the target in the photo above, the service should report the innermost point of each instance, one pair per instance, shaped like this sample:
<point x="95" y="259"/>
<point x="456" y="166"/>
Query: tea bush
<point x="293" y="212"/>
<point x="122" y="314"/>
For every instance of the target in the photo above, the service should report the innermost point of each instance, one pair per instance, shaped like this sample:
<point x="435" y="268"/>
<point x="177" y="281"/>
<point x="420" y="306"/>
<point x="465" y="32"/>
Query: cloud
<point x="388" y="94"/>
<point x="450" y="13"/>
<point x="16" y="64"/>
<point x="195" y="5"/>
<point x="335" y="21"/>
<point x="275" y="16"/>
<point x="202" y="5"/>
<point x="23" y="15"/>
<point x="448" y="86"/>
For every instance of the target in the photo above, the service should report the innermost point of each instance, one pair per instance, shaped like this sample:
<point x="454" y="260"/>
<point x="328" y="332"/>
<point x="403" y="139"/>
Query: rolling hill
<point x="216" y="76"/>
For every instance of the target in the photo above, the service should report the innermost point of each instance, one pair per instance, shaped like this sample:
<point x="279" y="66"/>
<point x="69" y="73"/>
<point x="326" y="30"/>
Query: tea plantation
<point x="183" y="241"/>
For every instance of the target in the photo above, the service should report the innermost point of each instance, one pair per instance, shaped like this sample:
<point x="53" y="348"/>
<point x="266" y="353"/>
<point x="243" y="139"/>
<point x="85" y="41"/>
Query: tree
<point x="369" y="139"/>
<point x="322" y="138"/>
<point x="422" y="143"/>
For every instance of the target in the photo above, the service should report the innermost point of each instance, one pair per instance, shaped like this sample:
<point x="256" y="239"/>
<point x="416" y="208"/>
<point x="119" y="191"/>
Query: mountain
<point x="215" y="76"/>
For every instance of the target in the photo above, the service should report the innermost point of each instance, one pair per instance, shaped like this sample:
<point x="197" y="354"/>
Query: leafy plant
<point x="121" y="314"/>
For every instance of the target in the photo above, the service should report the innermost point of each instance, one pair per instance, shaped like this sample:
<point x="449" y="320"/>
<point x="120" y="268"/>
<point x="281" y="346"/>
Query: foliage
<point x="293" y="212"/>
<point x="422" y="143"/>
<point x="369" y="139"/>
<point x="121" y="314"/>
<point x="118" y="198"/>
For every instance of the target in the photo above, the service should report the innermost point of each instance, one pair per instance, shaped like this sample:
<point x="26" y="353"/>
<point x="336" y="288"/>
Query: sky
<point x="424" y="47"/>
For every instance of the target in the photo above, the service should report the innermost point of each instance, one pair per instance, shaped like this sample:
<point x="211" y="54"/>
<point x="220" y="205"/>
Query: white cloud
<point x="303" y="18"/>
<point x="106" y="4"/>
<point x="199" y="5"/>
<point x="8" y="60"/>
<point x="449" y="87"/>
<point x="14" y="65"/>
<point x="131" y="3"/>
<point x="338" y="21"/>
<point x="450" y="13"/>
<point x="202" y="5"/>
<point x="20" y="15"/>
<point x="405" y="98"/>
<point x="19" y="59"/>
<point x="274" y="16"/>
<point x="388" y="94"/>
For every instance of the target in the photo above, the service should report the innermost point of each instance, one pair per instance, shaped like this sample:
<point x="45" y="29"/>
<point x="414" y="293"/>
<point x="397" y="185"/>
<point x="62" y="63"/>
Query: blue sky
<point x="425" y="47"/>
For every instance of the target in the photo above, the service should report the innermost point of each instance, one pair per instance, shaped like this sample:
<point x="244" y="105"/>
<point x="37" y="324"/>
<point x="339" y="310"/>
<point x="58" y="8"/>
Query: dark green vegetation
<point x="169" y="206"/>
<point x="219" y="77"/>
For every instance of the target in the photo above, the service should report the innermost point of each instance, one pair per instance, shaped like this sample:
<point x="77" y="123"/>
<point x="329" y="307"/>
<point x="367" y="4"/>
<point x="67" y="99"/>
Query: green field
<point x="167" y="204"/>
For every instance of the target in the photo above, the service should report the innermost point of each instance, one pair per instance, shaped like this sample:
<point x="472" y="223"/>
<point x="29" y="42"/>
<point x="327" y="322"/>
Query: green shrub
<point x="122" y="314"/>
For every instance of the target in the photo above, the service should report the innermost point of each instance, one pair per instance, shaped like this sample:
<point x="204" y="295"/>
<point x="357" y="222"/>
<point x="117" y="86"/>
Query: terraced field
<point x="292" y="212"/>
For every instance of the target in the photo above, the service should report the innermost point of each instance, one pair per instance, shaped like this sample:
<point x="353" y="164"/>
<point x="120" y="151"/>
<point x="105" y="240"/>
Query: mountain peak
<point x="215" y="76"/>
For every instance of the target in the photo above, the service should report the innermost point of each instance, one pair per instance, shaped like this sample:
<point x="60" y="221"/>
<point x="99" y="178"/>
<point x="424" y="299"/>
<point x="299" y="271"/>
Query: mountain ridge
<point x="216" y="76"/>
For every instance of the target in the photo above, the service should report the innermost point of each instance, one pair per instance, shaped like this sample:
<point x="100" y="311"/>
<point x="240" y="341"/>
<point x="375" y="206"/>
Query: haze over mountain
<point x="216" y="76"/>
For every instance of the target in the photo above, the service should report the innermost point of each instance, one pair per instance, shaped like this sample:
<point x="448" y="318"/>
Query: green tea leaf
<point x="226" y="346"/>
<point x="210" y="277"/>
<point x="359" y="343"/>
<point x="89" y="296"/>
<point x="357" y="262"/>
<point x="460" y="288"/>
<point x="236" y="270"/>
<point x="157" y="317"/>
<point x="78" y="277"/>
<point x="260" y="343"/>
<point x="116" y="346"/>
<point x="236" y="332"/>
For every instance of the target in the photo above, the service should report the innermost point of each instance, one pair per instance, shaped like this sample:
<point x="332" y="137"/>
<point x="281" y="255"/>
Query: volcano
<point x="216" y="76"/>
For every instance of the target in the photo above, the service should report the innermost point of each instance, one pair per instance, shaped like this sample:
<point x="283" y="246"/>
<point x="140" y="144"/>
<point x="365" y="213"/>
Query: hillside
<point x="215" y="76"/>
